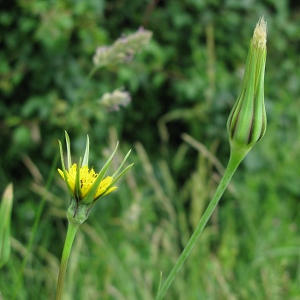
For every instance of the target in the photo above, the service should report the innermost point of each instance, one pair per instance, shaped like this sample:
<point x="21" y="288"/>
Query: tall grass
<point x="247" y="250"/>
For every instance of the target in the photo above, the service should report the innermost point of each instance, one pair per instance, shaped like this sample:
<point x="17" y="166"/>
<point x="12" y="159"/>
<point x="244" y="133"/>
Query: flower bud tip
<point x="260" y="34"/>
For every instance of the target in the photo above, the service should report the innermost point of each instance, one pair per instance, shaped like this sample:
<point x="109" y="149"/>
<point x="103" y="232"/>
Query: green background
<point x="183" y="85"/>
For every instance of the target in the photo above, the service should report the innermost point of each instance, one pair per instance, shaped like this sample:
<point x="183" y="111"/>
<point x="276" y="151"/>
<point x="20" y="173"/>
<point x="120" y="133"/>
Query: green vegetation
<point x="183" y="85"/>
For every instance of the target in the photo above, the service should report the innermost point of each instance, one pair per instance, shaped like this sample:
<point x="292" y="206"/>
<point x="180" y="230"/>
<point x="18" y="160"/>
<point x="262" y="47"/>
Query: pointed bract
<point x="85" y="161"/>
<point x="69" y="160"/>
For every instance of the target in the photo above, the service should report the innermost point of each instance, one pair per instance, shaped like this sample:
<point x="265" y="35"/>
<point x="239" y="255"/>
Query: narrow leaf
<point x="5" y="221"/>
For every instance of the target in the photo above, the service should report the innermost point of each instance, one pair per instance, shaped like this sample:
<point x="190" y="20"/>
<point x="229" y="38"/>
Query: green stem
<point x="234" y="161"/>
<point x="72" y="228"/>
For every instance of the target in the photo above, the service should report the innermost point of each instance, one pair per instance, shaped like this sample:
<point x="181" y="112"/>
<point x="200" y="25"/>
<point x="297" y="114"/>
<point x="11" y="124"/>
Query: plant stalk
<point x="72" y="229"/>
<point x="235" y="159"/>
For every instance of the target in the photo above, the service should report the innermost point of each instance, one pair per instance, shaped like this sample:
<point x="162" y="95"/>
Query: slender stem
<point x="72" y="228"/>
<point x="234" y="161"/>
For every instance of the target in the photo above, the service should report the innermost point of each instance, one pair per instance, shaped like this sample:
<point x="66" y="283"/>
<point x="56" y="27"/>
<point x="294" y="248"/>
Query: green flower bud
<point x="247" y="121"/>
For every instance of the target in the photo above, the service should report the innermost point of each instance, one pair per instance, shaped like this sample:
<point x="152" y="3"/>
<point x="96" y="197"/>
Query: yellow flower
<point x="85" y="186"/>
<point x="87" y="178"/>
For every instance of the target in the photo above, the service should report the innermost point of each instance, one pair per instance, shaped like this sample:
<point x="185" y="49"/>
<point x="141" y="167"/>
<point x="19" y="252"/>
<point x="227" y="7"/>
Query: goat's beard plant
<point x="85" y="187"/>
<point x="246" y="125"/>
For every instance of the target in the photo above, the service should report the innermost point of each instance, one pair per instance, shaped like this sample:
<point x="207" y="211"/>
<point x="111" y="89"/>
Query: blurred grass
<point x="182" y="86"/>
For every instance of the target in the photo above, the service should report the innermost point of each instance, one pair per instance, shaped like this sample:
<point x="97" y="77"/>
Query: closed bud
<point x="247" y="121"/>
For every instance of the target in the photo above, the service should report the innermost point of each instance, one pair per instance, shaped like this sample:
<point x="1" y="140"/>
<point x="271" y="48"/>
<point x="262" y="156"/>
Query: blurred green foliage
<point x="185" y="81"/>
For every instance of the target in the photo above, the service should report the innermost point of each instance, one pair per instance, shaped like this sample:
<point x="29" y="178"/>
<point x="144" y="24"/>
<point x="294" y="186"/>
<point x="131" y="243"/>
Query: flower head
<point x="87" y="179"/>
<point x="123" y="49"/>
<point x="247" y="121"/>
<point x="113" y="101"/>
<point x="85" y="186"/>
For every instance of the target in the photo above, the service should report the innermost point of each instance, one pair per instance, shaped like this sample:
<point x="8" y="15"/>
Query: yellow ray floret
<point x="87" y="177"/>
